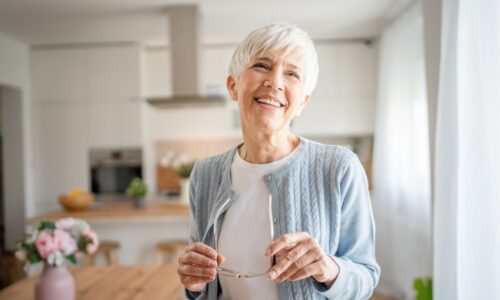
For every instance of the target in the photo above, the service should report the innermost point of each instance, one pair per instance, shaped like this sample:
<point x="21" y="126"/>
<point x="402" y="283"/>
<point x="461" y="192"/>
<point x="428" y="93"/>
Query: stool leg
<point x="112" y="258"/>
<point x="159" y="257"/>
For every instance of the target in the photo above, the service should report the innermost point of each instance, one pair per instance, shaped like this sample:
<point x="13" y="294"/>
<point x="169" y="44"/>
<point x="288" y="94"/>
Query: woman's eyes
<point x="261" y="65"/>
<point x="268" y="68"/>
<point x="294" y="74"/>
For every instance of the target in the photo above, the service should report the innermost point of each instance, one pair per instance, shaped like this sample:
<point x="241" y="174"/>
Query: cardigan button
<point x="268" y="177"/>
<point x="275" y="220"/>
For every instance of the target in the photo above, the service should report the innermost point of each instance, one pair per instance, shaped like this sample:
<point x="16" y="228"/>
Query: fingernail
<point x="212" y="263"/>
<point x="272" y="275"/>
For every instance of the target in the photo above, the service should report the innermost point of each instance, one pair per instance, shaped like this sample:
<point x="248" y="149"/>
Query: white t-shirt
<point x="246" y="233"/>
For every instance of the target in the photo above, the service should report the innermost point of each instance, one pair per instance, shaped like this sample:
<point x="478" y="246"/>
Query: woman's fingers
<point x="304" y="258"/>
<point x="202" y="249"/>
<point x="195" y="258"/>
<point x="298" y="264"/>
<point x="306" y="272"/>
<point x="197" y="271"/>
<point x="285" y="242"/>
<point x="197" y="266"/>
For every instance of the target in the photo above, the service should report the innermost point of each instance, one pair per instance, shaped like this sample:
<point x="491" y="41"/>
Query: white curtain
<point x="401" y="178"/>
<point x="467" y="184"/>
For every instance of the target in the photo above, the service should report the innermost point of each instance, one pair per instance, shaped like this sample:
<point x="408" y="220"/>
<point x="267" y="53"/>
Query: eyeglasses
<point x="231" y="273"/>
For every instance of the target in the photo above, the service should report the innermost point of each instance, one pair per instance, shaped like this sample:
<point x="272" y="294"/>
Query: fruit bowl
<point x="76" y="202"/>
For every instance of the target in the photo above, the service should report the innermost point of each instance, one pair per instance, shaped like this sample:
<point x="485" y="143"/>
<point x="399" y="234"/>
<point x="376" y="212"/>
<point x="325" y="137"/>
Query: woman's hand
<point x="198" y="266"/>
<point x="299" y="256"/>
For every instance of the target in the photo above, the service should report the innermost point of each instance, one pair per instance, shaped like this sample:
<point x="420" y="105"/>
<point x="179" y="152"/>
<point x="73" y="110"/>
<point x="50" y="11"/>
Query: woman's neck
<point x="261" y="148"/>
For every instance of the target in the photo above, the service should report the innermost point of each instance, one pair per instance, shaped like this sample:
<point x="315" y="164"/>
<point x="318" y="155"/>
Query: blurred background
<point x="96" y="93"/>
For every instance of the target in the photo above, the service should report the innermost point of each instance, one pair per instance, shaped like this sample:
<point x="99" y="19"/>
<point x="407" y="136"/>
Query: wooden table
<point x="147" y="282"/>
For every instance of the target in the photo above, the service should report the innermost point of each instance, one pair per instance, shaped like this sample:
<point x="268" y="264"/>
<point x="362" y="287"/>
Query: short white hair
<point x="276" y="37"/>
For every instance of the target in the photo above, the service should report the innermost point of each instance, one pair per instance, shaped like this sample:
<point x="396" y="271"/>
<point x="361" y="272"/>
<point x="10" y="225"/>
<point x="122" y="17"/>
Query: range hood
<point x="185" y="49"/>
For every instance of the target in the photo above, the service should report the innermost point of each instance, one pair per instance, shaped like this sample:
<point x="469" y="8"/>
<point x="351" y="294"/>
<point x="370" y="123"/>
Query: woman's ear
<point x="231" y="87"/>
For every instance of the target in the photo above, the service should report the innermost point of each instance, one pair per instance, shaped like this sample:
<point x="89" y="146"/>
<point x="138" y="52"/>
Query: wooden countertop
<point x="121" y="210"/>
<point x="141" y="282"/>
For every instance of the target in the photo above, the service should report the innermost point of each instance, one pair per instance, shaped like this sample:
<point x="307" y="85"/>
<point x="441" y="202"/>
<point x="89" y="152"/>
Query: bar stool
<point x="110" y="251"/>
<point x="168" y="251"/>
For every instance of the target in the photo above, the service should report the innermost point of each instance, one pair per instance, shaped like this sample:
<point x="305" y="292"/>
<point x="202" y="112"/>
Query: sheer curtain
<point x="401" y="178"/>
<point x="467" y="184"/>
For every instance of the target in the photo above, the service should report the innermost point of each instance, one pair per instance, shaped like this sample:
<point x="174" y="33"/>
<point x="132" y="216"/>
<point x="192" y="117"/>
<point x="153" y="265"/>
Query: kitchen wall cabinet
<point x="114" y="123"/>
<point x="113" y="73"/>
<point x="157" y="72"/>
<point x="61" y="151"/>
<point x="59" y="74"/>
<point x="85" y="97"/>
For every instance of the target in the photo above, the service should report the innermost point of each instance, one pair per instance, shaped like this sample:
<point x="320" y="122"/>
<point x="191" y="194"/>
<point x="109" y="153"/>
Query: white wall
<point x="15" y="73"/>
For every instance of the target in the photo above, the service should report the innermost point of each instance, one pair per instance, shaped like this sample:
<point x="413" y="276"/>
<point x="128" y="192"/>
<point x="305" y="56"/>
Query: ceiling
<point x="83" y="21"/>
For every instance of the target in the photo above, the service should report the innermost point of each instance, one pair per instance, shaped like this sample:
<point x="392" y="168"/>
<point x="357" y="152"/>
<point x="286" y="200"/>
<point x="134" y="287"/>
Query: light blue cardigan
<point x="322" y="190"/>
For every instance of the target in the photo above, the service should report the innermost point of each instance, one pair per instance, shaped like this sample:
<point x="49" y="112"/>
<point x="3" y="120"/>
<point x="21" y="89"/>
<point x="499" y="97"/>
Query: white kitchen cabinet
<point x="115" y="124"/>
<point x="158" y="72"/>
<point x="61" y="142"/>
<point x="113" y="72"/>
<point x="84" y="97"/>
<point x="59" y="74"/>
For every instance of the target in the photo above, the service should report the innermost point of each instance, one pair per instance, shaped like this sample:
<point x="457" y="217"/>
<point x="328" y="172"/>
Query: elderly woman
<point x="279" y="216"/>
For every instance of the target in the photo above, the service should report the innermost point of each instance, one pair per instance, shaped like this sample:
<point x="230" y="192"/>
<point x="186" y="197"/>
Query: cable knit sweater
<point x="321" y="190"/>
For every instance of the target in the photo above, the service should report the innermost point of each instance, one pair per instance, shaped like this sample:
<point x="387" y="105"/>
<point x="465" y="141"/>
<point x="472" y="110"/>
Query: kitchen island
<point x="137" y="230"/>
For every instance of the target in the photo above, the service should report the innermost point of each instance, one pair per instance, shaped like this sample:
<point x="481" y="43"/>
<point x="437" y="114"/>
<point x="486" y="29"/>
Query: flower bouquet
<point x="55" y="242"/>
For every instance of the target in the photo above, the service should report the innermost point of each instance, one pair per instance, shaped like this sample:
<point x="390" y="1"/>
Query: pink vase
<point x="55" y="283"/>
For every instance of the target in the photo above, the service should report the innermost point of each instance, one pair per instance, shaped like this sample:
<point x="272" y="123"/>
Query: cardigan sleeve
<point x="355" y="255"/>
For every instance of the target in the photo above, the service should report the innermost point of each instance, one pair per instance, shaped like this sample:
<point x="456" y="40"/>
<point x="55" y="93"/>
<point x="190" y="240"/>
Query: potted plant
<point x="137" y="190"/>
<point x="423" y="287"/>
<point x="184" y="171"/>
<point x="54" y="243"/>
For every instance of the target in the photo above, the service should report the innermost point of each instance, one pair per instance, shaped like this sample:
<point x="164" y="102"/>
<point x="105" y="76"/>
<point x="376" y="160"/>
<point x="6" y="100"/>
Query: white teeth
<point x="269" y="101"/>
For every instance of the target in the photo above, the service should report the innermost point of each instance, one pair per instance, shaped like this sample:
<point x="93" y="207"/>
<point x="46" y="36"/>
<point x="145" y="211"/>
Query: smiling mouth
<point x="269" y="101"/>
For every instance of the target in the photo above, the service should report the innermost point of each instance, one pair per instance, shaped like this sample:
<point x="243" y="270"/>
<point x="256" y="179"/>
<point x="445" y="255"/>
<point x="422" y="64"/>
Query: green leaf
<point x="185" y="170"/>
<point x="72" y="258"/>
<point x="46" y="225"/>
<point x="137" y="188"/>
<point x="33" y="257"/>
<point x="423" y="287"/>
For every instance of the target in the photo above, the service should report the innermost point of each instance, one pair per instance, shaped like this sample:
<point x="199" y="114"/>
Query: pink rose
<point x="65" y="224"/>
<point x="67" y="244"/>
<point x="46" y="244"/>
<point x="91" y="248"/>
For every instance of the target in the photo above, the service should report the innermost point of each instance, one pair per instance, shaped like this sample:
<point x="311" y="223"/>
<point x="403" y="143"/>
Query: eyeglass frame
<point x="231" y="273"/>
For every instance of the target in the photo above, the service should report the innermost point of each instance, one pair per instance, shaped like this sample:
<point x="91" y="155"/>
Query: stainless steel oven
<point x="112" y="170"/>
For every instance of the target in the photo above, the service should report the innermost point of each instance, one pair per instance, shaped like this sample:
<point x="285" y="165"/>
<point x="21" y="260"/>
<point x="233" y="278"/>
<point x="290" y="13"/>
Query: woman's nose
<point x="275" y="81"/>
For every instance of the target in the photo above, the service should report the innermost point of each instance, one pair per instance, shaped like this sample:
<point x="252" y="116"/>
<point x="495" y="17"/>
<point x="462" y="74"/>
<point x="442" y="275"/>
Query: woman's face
<point x="270" y="91"/>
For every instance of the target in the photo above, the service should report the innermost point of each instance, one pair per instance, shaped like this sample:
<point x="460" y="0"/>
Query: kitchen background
<point x="85" y="76"/>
